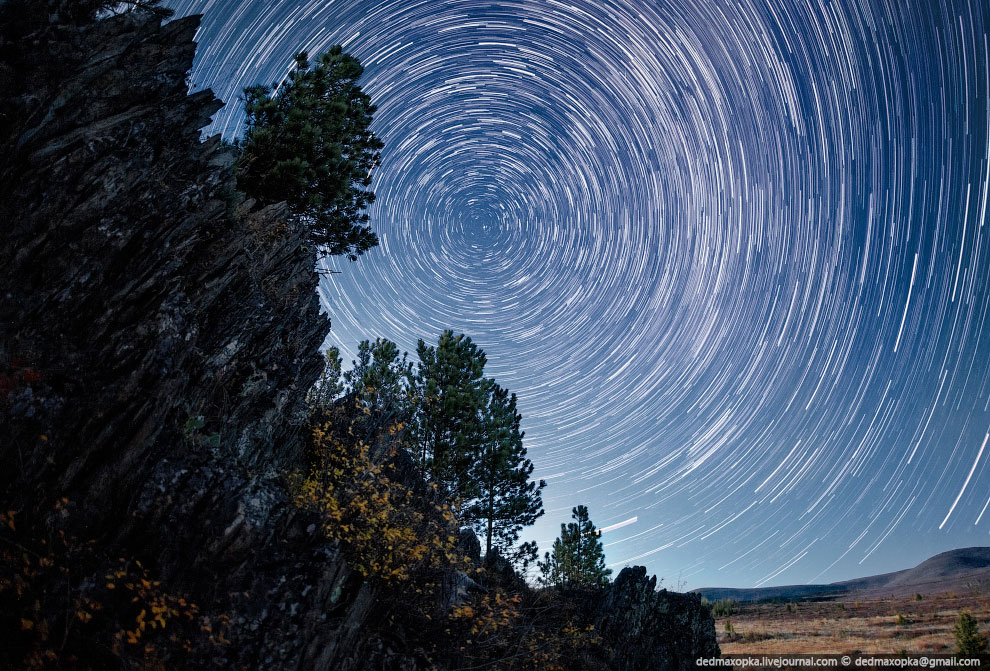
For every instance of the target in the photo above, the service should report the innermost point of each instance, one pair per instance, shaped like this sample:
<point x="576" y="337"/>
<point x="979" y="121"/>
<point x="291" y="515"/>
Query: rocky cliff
<point x="158" y="333"/>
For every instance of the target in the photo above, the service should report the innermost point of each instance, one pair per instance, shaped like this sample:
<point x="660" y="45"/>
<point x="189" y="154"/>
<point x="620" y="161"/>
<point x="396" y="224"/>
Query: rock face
<point x="648" y="629"/>
<point x="157" y="336"/>
<point x="137" y="280"/>
<point x="158" y="333"/>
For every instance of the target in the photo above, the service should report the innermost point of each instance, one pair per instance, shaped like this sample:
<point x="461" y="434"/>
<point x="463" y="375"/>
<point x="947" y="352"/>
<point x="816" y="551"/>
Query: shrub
<point x="969" y="642"/>
<point x="724" y="607"/>
<point x="378" y="521"/>
<point x="64" y="604"/>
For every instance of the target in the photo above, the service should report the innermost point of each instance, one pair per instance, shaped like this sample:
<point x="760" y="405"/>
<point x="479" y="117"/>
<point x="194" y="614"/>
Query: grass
<point x="867" y="626"/>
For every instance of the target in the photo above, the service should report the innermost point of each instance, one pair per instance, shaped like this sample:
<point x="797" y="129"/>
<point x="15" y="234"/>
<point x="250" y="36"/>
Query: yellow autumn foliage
<point x="374" y="517"/>
<point x="66" y="595"/>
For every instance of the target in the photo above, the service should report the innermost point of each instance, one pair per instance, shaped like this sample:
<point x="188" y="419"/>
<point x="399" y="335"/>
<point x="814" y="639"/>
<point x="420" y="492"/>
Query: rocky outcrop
<point x="141" y="291"/>
<point x="158" y="333"/>
<point x="650" y="629"/>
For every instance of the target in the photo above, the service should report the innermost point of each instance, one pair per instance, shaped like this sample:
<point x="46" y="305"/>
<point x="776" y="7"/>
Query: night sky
<point x="733" y="256"/>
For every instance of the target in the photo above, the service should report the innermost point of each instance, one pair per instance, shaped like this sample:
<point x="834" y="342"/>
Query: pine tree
<point x="446" y="427"/>
<point x="969" y="642"/>
<point x="508" y="499"/>
<point x="553" y="571"/>
<point x="329" y="387"/>
<point x="309" y="144"/>
<point x="84" y="11"/>
<point x="577" y="557"/>
<point x="380" y="378"/>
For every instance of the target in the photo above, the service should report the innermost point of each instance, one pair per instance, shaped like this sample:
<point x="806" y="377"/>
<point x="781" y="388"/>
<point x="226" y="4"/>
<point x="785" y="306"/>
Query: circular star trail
<point x="732" y="256"/>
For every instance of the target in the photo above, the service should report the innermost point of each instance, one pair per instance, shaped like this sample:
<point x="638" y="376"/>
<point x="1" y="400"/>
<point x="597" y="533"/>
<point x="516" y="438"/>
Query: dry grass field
<point x="919" y="624"/>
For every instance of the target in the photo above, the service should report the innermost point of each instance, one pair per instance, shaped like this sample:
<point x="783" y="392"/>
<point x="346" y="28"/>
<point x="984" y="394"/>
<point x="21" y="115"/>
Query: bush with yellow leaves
<point x="519" y="630"/>
<point x="387" y="532"/>
<point x="483" y="628"/>
<point x="64" y="604"/>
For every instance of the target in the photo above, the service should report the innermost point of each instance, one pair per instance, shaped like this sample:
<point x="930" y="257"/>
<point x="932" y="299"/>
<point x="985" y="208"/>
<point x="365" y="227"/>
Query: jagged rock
<point x="456" y="590"/>
<point x="157" y="336"/>
<point x="501" y="571"/>
<point x="468" y="545"/>
<point x="648" y="629"/>
<point x="132" y="285"/>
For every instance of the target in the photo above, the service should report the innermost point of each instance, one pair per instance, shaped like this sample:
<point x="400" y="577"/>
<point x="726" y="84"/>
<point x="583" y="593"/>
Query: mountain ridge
<point x="946" y="571"/>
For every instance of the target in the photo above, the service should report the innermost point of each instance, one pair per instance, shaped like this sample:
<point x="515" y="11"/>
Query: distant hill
<point x="949" y="571"/>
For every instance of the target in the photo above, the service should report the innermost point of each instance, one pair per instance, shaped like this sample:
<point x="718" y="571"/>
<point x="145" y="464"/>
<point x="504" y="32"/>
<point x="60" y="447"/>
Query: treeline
<point x="462" y="432"/>
<point x="460" y="428"/>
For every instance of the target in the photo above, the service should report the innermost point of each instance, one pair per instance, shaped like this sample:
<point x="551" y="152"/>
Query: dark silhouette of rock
<point x="469" y="545"/>
<point x="157" y="338"/>
<point x="650" y="629"/>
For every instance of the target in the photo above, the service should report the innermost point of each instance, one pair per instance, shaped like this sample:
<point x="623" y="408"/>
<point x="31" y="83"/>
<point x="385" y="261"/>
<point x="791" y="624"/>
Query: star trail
<point x="732" y="256"/>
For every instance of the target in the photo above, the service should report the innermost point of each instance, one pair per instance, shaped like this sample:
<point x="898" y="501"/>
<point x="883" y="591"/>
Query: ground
<point x="917" y="624"/>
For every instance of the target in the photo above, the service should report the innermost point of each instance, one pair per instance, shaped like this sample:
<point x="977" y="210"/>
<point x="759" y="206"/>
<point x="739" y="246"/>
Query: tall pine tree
<point x="508" y="499"/>
<point x="446" y="427"/>
<point x="308" y="142"/>
<point x="577" y="558"/>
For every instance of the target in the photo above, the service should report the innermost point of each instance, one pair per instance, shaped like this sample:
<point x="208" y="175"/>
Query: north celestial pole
<point x="732" y="256"/>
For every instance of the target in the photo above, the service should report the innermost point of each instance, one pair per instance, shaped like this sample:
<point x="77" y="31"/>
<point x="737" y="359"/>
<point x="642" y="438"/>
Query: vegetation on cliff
<point x="308" y="143"/>
<point x="459" y="608"/>
<point x="459" y="430"/>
